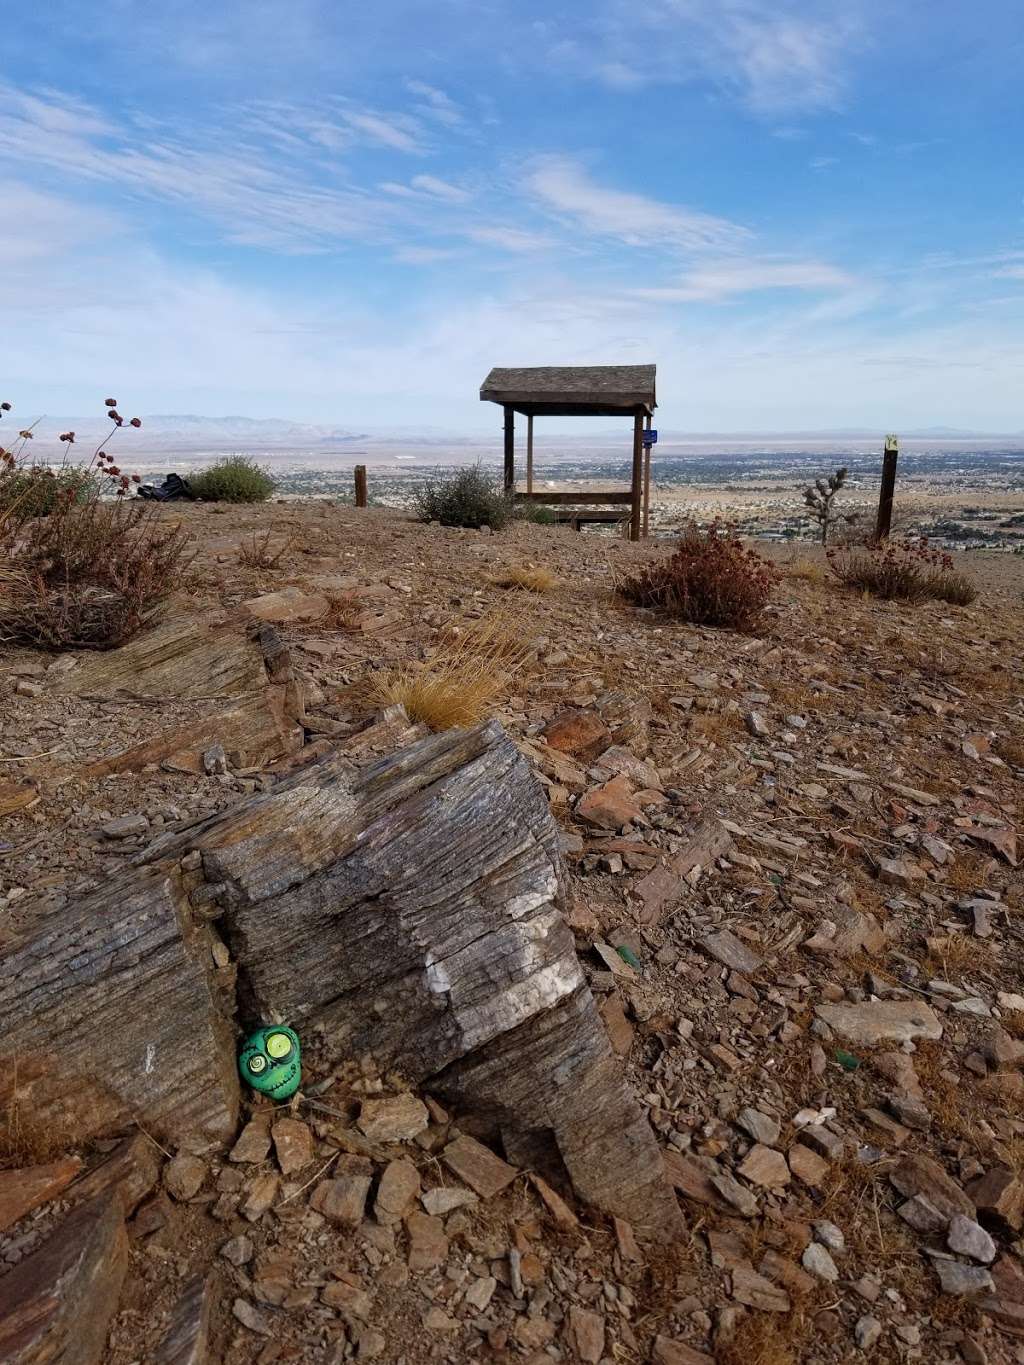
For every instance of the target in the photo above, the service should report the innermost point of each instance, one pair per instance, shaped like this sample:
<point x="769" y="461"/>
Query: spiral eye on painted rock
<point x="257" y="1064"/>
<point x="279" y="1045"/>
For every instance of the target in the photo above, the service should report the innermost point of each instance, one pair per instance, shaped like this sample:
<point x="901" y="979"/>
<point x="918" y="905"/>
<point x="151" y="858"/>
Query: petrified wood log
<point x="109" y="1014"/>
<point x="411" y="909"/>
<point x="56" y="1305"/>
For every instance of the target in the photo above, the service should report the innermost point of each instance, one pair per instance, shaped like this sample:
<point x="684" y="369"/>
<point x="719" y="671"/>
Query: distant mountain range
<point x="191" y="432"/>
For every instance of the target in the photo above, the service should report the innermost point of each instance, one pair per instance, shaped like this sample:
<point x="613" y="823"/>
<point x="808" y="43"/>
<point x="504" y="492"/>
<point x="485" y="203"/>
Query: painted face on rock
<point x="270" y="1062"/>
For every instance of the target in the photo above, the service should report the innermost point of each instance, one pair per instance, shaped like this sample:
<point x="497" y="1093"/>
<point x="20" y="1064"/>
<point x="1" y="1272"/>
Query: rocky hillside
<point x="789" y="864"/>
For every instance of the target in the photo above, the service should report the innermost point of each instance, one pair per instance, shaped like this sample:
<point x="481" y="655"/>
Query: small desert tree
<point x="820" y="499"/>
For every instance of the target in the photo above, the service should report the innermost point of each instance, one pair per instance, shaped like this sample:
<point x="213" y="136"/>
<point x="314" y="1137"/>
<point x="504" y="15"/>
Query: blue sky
<point x="808" y="214"/>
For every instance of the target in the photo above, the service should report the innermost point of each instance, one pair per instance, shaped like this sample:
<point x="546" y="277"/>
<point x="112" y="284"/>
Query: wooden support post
<point x="647" y="481"/>
<point x="360" y="480"/>
<point x="510" y="449"/>
<point x="529" y="453"/>
<point x="636" y="488"/>
<point x="885" y="496"/>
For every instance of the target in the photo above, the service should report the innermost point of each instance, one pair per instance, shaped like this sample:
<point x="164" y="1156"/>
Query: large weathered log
<point x="411" y="909"/>
<point x="56" y="1305"/>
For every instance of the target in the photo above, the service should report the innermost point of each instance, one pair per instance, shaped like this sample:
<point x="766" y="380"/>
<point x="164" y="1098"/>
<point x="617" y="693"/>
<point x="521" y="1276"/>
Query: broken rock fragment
<point x="881" y="1021"/>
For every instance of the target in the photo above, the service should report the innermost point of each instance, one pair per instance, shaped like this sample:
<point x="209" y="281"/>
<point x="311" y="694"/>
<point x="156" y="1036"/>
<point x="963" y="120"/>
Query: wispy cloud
<point x="726" y="279"/>
<point x="563" y="187"/>
<point x="508" y="239"/>
<point x="772" y="55"/>
<point x="429" y="185"/>
<point x="435" y="104"/>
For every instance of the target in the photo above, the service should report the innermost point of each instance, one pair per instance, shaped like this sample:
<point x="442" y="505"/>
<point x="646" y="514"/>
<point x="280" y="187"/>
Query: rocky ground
<point x="797" y="896"/>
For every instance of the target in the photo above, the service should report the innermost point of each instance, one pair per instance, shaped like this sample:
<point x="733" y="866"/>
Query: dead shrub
<point x="907" y="570"/>
<point x="469" y="670"/>
<point x="85" y="575"/>
<point x="256" y="552"/>
<point x="712" y="579"/>
<point x="532" y="579"/>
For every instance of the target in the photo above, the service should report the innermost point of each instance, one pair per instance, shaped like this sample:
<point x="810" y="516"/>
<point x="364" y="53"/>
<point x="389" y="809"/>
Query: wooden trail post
<point x="529" y="453"/>
<point x="647" y="478"/>
<point x="510" y="449"/>
<point x="636" y="485"/>
<point x="888" y="489"/>
<point x="360" y="481"/>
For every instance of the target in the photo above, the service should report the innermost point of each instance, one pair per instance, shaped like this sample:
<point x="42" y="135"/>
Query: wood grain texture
<point x="108" y="1014"/>
<point x="56" y="1305"/>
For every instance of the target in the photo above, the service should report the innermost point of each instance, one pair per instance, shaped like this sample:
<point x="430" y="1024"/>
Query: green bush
<point x="33" y="490"/>
<point x="236" y="479"/>
<point x="465" y="497"/>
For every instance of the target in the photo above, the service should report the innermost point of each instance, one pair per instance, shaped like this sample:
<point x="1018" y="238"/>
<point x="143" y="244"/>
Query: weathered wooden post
<point x="360" y="480"/>
<point x="529" y="453"/>
<point x="636" y="487"/>
<point x="649" y="439"/>
<point x="510" y="449"/>
<point x="885" y="496"/>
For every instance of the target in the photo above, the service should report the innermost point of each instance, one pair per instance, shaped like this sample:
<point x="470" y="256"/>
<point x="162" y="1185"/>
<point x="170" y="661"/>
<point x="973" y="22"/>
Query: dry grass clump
<point x="26" y="1140"/>
<point x="713" y="579"/>
<point x="1010" y="749"/>
<point x="806" y="570"/>
<point x="968" y="872"/>
<point x="766" y="1339"/>
<point x="473" y="665"/>
<point x="951" y="1096"/>
<point x="951" y="957"/>
<point x="909" y="570"/>
<point x="529" y="577"/>
<point x="257" y="552"/>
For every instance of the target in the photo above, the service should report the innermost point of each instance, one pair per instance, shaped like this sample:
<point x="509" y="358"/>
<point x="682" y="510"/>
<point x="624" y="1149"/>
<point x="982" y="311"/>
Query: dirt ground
<point x="866" y="759"/>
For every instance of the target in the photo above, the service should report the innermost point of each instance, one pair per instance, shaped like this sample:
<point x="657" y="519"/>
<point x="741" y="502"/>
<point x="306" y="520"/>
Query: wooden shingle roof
<point x="567" y="390"/>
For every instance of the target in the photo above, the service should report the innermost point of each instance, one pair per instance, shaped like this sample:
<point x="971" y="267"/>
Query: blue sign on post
<point x="651" y="437"/>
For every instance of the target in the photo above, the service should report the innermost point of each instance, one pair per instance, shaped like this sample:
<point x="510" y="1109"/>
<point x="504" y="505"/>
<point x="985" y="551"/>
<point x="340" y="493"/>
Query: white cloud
<point x="435" y="103"/>
<point x="563" y="186"/>
<point x="1011" y="272"/>
<point x="725" y="279"/>
<point x="508" y="239"/>
<point x="429" y="185"/>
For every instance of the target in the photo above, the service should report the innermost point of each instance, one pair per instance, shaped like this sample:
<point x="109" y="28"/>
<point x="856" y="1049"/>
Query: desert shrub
<point x="712" y="579"/>
<point x="907" y="569"/>
<point x="464" y="676"/>
<point x="86" y="574"/>
<point x="465" y="497"/>
<point x="235" y="479"/>
<point x="34" y="491"/>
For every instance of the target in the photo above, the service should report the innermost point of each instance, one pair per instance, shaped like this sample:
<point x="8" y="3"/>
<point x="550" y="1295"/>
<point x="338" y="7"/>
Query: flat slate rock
<point x="726" y="948"/>
<point x="881" y="1021"/>
<point x="477" y="1165"/>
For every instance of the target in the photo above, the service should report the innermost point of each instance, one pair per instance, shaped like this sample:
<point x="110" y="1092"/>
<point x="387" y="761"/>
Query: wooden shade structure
<point x="575" y="391"/>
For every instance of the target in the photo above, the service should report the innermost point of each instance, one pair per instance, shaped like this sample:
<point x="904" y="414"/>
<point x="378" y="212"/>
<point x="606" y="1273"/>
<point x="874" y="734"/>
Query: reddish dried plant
<point x="908" y="569"/>
<point x="85" y="564"/>
<point x="712" y="579"/>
